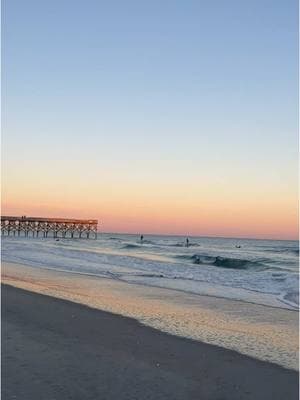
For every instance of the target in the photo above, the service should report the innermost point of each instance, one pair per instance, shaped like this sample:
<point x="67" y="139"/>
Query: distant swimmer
<point x="142" y="238"/>
<point x="187" y="242"/>
<point x="238" y="246"/>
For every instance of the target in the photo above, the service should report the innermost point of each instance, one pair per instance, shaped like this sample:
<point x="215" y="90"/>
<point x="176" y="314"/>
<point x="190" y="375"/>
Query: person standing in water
<point x="142" y="238"/>
<point x="187" y="242"/>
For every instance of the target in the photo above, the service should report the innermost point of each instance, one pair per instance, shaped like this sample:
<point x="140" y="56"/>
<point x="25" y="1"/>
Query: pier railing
<point x="55" y="227"/>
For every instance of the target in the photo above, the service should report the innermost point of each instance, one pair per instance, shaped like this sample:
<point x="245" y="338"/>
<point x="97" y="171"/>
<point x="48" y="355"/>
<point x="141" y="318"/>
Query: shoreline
<point x="167" y="267"/>
<point x="55" y="348"/>
<point x="285" y="305"/>
<point x="257" y="331"/>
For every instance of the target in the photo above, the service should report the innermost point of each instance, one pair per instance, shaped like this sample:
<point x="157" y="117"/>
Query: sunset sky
<point x="176" y="117"/>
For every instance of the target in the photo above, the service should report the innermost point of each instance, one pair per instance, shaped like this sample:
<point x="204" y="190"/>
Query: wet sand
<point x="57" y="349"/>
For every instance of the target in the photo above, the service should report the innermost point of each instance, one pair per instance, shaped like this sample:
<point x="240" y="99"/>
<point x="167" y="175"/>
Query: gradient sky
<point x="153" y="116"/>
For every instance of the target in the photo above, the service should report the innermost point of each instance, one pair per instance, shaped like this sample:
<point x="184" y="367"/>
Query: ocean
<point x="255" y="271"/>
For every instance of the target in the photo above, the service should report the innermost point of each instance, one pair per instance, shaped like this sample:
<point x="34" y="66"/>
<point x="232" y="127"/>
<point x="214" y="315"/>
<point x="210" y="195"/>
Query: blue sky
<point x="179" y="89"/>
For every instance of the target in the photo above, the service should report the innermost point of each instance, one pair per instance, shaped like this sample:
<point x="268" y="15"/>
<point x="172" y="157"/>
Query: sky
<point x="171" y="117"/>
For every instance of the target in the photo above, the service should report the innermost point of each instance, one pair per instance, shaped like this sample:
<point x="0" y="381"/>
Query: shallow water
<point x="256" y="271"/>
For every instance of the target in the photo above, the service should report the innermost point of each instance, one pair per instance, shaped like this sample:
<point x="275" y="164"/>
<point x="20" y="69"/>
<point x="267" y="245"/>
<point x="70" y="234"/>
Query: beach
<point x="57" y="349"/>
<point x="259" y="331"/>
<point x="68" y="335"/>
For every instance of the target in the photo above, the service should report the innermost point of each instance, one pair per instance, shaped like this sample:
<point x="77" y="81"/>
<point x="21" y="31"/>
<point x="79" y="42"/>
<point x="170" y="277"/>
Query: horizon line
<point x="197" y="236"/>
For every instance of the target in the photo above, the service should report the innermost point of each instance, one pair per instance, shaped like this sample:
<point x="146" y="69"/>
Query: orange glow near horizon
<point x="163" y="210"/>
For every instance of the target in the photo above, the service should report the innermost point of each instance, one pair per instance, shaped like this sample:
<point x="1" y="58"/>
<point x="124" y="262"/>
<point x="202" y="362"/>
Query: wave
<point x="131" y="246"/>
<point x="284" y="250"/>
<point x="223" y="262"/>
<point x="145" y="241"/>
<point x="137" y="245"/>
<point x="180" y="244"/>
<point x="236" y="263"/>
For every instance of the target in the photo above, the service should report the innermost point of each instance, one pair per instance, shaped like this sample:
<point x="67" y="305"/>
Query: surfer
<point x="142" y="238"/>
<point x="187" y="242"/>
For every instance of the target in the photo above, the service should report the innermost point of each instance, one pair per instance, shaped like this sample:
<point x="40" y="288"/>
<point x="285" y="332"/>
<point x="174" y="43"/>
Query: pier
<point x="44" y="227"/>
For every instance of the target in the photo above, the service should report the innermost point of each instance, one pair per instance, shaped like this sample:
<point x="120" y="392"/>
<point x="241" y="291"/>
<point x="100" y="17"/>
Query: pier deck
<point x="57" y="227"/>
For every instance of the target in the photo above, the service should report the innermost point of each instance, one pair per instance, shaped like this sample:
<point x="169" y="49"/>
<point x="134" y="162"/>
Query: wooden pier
<point x="55" y="227"/>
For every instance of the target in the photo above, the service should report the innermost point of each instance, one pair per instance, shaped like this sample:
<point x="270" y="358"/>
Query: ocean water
<point x="255" y="271"/>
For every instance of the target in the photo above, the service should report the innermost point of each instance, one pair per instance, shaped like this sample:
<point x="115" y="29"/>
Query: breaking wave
<point x="131" y="246"/>
<point x="223" y="262"/>
<point x="180" y="244"/>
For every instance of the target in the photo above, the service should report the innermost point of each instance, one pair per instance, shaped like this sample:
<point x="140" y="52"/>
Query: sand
<point x="56" y="349"/>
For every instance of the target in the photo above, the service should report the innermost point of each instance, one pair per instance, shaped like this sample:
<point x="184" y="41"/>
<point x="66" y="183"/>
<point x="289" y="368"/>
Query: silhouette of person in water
<point x="187" y="242"/>
<point x="142" y="238"/>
